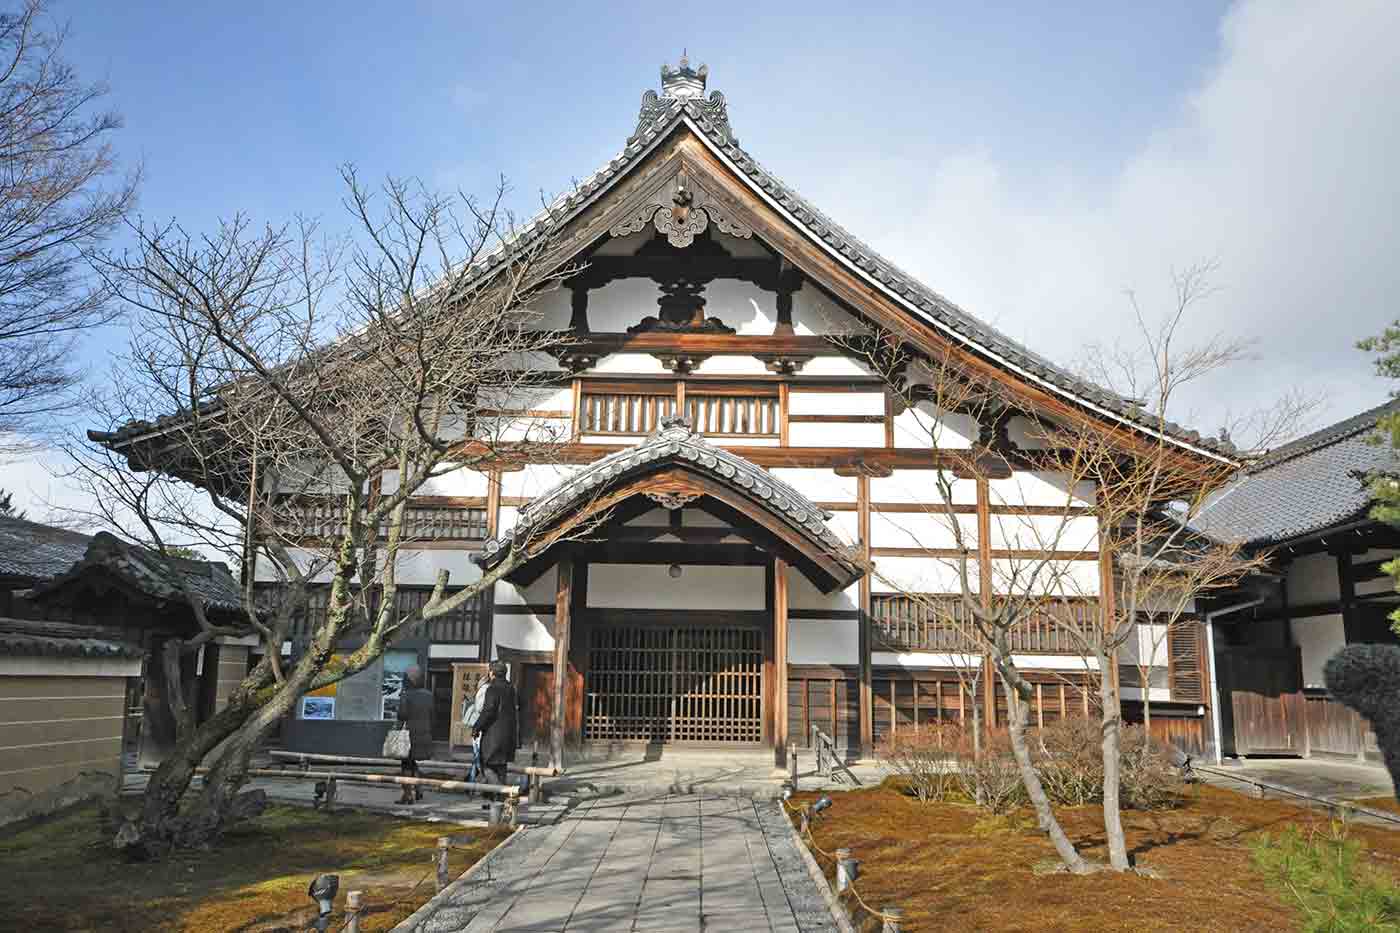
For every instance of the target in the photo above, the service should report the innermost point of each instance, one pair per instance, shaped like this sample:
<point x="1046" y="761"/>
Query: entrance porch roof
<point x="673" y="467"/>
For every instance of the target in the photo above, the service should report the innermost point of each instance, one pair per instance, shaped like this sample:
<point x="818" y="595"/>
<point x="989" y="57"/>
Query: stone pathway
<point x="653" y="863"/>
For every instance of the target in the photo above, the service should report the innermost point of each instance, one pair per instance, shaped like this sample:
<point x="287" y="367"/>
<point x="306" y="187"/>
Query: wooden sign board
<point x="466" y="677"/>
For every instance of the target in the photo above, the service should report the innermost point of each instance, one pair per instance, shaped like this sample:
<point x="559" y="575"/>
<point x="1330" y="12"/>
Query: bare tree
<point x="315" y="388"/>
<point x="60" y="198"/>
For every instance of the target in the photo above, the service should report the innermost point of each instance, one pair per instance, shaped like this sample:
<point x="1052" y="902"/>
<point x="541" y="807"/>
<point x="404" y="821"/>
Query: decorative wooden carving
<point x="577" y="359"/>
<point x="782" y="363"/>
<point x="578" y="319"/>
<point x="681" y="363"/>
<point x="672" y="500"/>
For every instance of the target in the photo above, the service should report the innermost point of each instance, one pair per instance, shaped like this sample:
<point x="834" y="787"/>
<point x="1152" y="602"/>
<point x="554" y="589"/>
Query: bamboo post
<point x="536" y="789"/>
<point x="354" y="903"/>
<point x="893" y="918"/>
<point x="443" y="843"/>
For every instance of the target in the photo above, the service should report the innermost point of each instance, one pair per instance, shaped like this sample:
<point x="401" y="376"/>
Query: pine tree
<point x="7" y="505"/>
<point x="1384" y="485"/>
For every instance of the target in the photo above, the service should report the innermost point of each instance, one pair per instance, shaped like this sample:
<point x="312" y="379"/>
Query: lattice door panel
<point x="697" y="685"/>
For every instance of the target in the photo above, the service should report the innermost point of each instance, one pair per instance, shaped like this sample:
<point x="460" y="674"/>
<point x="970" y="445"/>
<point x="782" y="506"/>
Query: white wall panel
<point x="813" y="641"/>
<point x="522" y="632"/>
<point x="1070" y="578"/>
<point x="827" y="366"/>
<point x="535" y="479"/>
<point x="836" y="403"/>
<point x="621" y="303"/>
<point x="920" y="659"/>
<point x="540" y="592"/>
<point x="304" y="559"/>
<point x="814" y="313"/>
<point x="1025" y="433"/>
<point x="817" y="484"/>
<point x="920" y="529"/>
<point x="1078" y="533"/>
<point x="919" y="575"/>
<point x="552" y="310"/>
<point x="741" y="305"/>
<point x="420" y="567"/>
<point x="1039" y="487"/>
<point x="649" y="586"/>
<point x="629" y="363"/>
<point x="1318" y="638"/>
<point x="836" y="435"/>
<point x="459" y="482"/>
<point x="918" y="486"/>
<point x="1054" y="662"/>
<point x="730" y="365"/>
<point x="845" y="525"/>
<point x="923" y="427"/>
<point x="802" y="594"/>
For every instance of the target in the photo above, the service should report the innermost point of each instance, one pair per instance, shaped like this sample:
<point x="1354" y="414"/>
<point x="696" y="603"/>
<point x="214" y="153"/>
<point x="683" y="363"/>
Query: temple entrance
<point x="668" y="684"/>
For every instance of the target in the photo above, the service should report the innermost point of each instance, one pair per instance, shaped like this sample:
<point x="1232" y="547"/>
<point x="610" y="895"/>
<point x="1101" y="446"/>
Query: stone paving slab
<point x="642" y="863"/>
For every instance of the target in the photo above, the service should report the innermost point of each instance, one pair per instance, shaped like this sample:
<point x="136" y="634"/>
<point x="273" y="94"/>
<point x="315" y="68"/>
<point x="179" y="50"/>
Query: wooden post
<point x="563" y="605"/>
<point x="984" y="589"/>
<point x="443" y="879"/>
<point x="780" y="654"/>
<point x="792" y="765"/>
<point x="354" y="903"/>
<point x="867" y="698"/>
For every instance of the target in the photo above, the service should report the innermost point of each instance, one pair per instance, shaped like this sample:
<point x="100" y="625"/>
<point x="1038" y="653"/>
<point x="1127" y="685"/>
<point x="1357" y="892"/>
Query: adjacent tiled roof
<point x="22" y="642"/>
<point x="147" y="572"/>
<point x="35" y="552"/>
<point x="709" y="117"/>
<point x="675" y="442"/>
<point x="1304" y="486"/>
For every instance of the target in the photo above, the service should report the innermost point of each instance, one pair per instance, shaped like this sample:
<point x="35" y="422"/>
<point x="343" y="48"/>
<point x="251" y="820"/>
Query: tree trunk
<point x="1018" y="716"/>
<point x="1112" y="767"/>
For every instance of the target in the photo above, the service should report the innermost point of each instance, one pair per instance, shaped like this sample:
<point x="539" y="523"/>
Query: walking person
<point x="471" y="712"/>
<point x="416" y="715"/>
<point x="495" y="727"/>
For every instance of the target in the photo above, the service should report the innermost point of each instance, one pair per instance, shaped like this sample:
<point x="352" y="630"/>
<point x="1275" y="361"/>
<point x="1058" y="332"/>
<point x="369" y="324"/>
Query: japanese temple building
<point x="751" y="468"/>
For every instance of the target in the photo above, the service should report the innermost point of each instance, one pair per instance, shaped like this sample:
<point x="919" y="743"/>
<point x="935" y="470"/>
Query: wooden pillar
<point x="984" y="590"/>
<point x="563" y="609"/>
<point x="780" y="655"/>
<point x="867" y="699"/>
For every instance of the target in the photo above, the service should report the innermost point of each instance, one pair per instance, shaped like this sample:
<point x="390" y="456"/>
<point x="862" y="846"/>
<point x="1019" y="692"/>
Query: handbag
<point x="397" y="744"/>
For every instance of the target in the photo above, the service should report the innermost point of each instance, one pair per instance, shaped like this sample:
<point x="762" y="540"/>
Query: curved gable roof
<point x="711" y="470"/>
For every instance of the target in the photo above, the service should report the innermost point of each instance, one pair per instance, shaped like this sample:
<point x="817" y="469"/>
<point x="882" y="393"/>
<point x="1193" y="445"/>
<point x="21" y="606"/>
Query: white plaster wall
<point x="920" y="529"/>
<point x="828" y="366"/>
<point x="535" y="479"/>
<point x="304" y="558"/>
<point x="919" y="486"/>
<point x="836" y="403"/>
<point x="629" y="363"/>
<point x="307" y="477"/>
<point x="552" y="310"/>
<point x="1039" y="487"/>
<point x="540" y="592"/>
<point x="1156" y="694"/>
<point x="923" y="426"/>
<point x="458" y="482"/>
<point x="921" y="659"/>
<point x="1079" y="533"/>
<point x="1318" y="638"/>
<point x="620" y="304"/>
<point x="1313" y="579"/>
<point x="819" y="485"/>
<point x="1069" y="578"/>
<point x="802" y="594"/>
<point x="523" y="632"/>
<point x="845" y="525"/>
<point x="919" y="575"/>
<point x="836" y="435"/>
<point x="823" y="641"/>
<point x="1054" y="662"/>
<point x="1148" y="644"/>
<point x="741" y="305"/>
<point x="513" y="429"/>
<point x="730" y="365"/>
<point x="1025" y="433"/>
<point x="420" y="567"/>
<point x="814" y="313"/>
<point x="649" y="586"/>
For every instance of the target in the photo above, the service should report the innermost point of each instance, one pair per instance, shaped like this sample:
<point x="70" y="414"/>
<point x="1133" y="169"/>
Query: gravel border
<point x="808" y="895"/>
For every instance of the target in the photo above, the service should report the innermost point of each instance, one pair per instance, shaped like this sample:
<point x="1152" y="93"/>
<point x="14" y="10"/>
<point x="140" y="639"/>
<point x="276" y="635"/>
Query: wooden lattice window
<point x="1185" y="652"/>
<point x="606" y="409"/>
<point x="462" y="624"/>
<point x="920" y="621"/>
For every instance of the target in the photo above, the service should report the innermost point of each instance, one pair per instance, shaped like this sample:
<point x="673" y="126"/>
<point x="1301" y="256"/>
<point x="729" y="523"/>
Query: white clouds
<point x="1281" y="165"/>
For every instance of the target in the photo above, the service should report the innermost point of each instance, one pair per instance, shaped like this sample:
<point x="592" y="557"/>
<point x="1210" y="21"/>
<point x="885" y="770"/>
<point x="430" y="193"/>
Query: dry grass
<point x="61" y="874"/>
<point x="941" y="861"/>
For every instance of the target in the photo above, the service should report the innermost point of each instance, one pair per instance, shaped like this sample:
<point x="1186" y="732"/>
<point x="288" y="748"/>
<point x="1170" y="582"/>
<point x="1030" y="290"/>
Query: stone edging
<point x="838" y="913"/>
<point x="433" y="903"/>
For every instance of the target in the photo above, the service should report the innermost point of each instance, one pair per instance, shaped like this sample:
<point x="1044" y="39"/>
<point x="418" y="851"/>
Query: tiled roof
<point x="147" y="572"/>
<point x="709" y="117"/>
<point x="1304" y="486"/>
<point x="675" y="442"/>
<point x="36" y="552"/>
<point x="33" y="644"/>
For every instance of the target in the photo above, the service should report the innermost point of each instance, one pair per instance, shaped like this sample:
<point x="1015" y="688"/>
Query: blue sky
<point x="1030" y="165"/>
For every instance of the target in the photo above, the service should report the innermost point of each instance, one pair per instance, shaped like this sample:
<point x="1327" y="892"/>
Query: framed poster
<point x="317" y="707"/>
<point x="396" y="663"/>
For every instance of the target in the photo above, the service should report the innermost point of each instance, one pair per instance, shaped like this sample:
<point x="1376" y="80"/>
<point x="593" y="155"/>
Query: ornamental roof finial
<point x="683" y="82"/>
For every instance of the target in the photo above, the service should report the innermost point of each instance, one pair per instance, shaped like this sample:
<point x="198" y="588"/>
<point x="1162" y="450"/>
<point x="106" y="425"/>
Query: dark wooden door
<point x="535" y="694"/>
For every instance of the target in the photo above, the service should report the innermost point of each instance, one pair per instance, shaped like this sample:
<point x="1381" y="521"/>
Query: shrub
<point x="991" y="780"/>
<point x="923" y="761"/>
<point x="1320" y="873"/>
<point x="1069" y="756"/>
<point x="1151" y="779"/>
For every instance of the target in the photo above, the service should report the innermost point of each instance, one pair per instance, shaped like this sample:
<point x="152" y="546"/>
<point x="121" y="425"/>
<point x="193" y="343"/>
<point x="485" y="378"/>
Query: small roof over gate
<point x="673" y="467"/>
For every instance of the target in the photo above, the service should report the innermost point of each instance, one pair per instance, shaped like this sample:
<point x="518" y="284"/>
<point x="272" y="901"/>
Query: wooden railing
<point x="726" y="412"/>
<point x="326" y="520"/>
<point x="938" y="622"/>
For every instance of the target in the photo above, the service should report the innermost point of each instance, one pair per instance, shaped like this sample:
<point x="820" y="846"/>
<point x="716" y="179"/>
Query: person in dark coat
<point x="496" y="725"/>
<point x="416" y="715"/>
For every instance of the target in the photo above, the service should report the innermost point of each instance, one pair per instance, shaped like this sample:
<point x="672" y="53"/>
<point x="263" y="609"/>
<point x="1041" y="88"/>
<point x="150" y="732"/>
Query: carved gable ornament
<point x="689" y="214"/>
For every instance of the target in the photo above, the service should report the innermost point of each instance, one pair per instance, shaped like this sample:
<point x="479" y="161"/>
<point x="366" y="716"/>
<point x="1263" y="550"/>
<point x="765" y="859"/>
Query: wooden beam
<point x="780" y="657"/>
<point x="867" y="697"/>
<point x="563" y="610"/>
